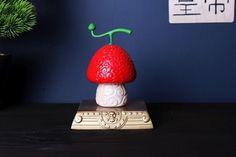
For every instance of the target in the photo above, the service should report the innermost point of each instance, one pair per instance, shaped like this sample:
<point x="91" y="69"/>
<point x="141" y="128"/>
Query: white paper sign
<point x="201" y="11"/>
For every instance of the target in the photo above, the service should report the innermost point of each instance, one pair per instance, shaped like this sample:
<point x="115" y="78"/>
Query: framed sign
<point x="201" y="11"/>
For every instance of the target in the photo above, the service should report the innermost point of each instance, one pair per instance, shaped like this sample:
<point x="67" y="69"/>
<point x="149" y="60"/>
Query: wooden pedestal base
<point x="90" y="116"/>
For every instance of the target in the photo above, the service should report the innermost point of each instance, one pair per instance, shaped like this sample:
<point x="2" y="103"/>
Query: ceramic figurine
<point x="111" y="67"/>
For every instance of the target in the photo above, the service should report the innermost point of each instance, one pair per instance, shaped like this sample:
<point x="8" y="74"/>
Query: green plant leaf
<point x="16" y="17"/>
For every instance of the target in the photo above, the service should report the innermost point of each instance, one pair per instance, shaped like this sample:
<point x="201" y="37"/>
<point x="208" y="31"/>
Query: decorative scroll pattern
<point x="111" y="95"/>
<point x="112" y="120"/>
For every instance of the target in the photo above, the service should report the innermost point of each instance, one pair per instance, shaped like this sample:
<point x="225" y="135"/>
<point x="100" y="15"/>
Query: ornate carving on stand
<point x="112" y="118"/>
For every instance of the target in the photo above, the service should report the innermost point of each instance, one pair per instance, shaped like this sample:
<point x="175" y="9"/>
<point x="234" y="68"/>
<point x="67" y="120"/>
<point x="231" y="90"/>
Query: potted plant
<point x="16" y="17"/>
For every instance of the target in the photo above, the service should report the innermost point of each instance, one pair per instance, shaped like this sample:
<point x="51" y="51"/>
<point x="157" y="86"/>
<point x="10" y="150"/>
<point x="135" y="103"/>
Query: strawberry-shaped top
<point x="111" y="63"/>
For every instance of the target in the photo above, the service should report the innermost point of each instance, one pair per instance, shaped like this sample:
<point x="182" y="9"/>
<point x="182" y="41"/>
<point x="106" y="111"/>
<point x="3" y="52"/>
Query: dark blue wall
<point x="175" y="63"/>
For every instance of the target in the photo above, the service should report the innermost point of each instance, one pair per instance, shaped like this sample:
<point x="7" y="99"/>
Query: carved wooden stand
<point x="90" y="116"/>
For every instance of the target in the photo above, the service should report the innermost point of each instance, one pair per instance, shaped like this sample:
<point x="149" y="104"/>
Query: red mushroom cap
<point x="111" y="64"/>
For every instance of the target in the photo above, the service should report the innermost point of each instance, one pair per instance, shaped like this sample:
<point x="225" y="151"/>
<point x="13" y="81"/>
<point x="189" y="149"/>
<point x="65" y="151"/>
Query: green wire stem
<point x="92" y="27"/>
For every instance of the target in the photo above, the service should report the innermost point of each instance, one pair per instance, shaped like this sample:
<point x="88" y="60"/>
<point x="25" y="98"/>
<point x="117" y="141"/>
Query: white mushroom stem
<point x="111" y="95"/>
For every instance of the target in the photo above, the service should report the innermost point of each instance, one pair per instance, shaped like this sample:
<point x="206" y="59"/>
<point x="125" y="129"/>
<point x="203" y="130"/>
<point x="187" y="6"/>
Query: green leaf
<point x="16" y="17"/>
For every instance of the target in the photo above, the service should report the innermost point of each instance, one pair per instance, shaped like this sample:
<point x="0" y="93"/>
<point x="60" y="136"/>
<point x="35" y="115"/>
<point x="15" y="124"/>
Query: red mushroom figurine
<point x="111" y="67"/>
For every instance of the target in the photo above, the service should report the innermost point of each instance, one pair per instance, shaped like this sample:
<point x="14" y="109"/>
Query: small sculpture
<point x="111" y="67"/>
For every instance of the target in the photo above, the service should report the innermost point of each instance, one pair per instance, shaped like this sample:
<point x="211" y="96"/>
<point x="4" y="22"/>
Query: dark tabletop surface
<point x="181" y="130"/>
